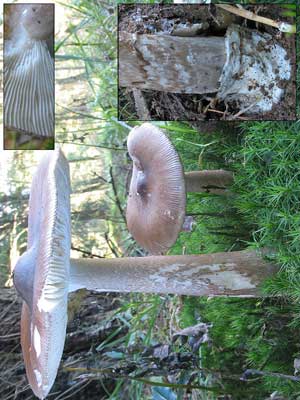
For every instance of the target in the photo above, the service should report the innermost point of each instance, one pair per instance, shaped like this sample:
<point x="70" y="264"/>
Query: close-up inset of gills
<point x="29" y="69"/>
<point x="45" y="274"/>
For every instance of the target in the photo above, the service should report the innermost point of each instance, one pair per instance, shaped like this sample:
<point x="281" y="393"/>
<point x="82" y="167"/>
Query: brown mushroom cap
<point x="156" y="203"/>
<point x="46" y="265"/>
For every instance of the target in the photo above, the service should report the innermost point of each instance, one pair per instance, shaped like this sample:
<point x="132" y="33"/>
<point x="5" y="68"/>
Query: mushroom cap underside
<point x="157" y="197"/>
<point x="29" y="88"/>
<point x="43" y="328"/>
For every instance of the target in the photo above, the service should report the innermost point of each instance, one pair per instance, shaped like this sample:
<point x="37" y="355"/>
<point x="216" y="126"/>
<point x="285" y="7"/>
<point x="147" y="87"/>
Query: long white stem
<point x="171" y="63"/>
<point x="234" y="274"/>
<point x="229" y="66"/>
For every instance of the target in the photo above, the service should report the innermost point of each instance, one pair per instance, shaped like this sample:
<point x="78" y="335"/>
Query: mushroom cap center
<point x="38" y="20"/>
<point x="141" y="185"/>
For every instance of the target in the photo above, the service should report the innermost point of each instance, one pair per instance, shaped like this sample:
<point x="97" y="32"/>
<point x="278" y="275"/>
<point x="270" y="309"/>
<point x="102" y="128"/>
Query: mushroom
<point x="45" y="274"/>
<point x="156" y="203"/>
<point x="29" y="70"/>
<point x="41" y="274"/>
<point x="237" y="67"/>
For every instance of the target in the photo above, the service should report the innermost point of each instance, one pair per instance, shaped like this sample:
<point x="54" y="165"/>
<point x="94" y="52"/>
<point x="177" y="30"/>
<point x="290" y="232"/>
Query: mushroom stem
<point x="237" y="273"/>
<point x="171" y="63"/>
<point x="235" y="66"/>
<point x="208" y="181"/>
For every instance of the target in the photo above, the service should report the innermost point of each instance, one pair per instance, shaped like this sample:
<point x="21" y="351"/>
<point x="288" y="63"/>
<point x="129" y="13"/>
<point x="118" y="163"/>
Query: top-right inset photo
<point x="207" y="62"/>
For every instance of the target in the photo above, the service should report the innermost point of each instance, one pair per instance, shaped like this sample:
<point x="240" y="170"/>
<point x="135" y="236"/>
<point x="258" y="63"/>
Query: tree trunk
<point x="171" y="63"/>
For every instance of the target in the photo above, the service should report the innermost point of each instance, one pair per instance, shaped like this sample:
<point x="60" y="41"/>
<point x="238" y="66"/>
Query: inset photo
<point x="29" y="90"/>
<point x="207" y="62"/>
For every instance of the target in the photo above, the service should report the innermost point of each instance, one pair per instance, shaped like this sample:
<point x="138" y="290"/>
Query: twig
<point x="213" y="17"/>
<point x="215" y="111"/>
<point x="206" y="214"/>
<point x="244" y="377"/>
<point x="121" y="123"/>
<point x="85" y="115"/>
<point x="100" y="177"/>
<point x="6" y="310"/>
<point x="10" y="336"/>
<point x="237" y="115"/>
<point x="212" y="103"/>
<point x="177" y="385"/>
<point x="88" y="253"/>
<point x="16" y="392"/>
<point x="74" y="160"/>
<point x="140" y="105"/>
<point x="282" y="26"/>
<point x="111" y="245"/>
<point x="112" y="181"/>
<point x="97" y="373"/>
<point x="92" y="145"/>
<point x="79" y="385"/>
<point x="222" y="112"/>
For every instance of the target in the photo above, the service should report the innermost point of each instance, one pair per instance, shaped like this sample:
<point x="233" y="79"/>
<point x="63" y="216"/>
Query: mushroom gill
<point x="29" y="70"/>
<point x="41" y="275"/>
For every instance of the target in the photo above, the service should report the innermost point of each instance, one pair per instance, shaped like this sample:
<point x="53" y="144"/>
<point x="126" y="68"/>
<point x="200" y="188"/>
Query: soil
<point x="87" y="312"/>
<point x="152" y="19"/>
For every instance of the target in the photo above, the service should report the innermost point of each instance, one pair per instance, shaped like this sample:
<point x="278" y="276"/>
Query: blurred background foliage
<point x="129" y="346"/>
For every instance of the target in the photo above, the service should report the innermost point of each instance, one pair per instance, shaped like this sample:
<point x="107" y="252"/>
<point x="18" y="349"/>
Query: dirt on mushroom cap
<point x="156" y="202"/>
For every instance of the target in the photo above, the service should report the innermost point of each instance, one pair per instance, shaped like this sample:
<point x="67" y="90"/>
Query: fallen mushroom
<point x="29" y="70"/>
<point x="44" y="274"/>
<point x="246" y="67"/>
<point x="41" y="274"/>
<point x="155" y="209"/>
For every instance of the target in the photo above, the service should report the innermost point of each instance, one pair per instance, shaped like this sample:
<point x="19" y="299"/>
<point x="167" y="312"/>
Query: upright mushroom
<point x="44" y="274"/>
<point x="29" y="70"/>
<point x="156" y="203"/>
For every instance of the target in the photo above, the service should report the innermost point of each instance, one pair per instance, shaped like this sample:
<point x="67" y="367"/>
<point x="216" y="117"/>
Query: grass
<point x="249" y="333"/>
<point x="219" y="225"/>
<point x="268" y="188"/>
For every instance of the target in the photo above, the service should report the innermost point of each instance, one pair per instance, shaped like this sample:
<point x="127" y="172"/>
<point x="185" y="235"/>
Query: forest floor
<point x="192" y="107"/>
